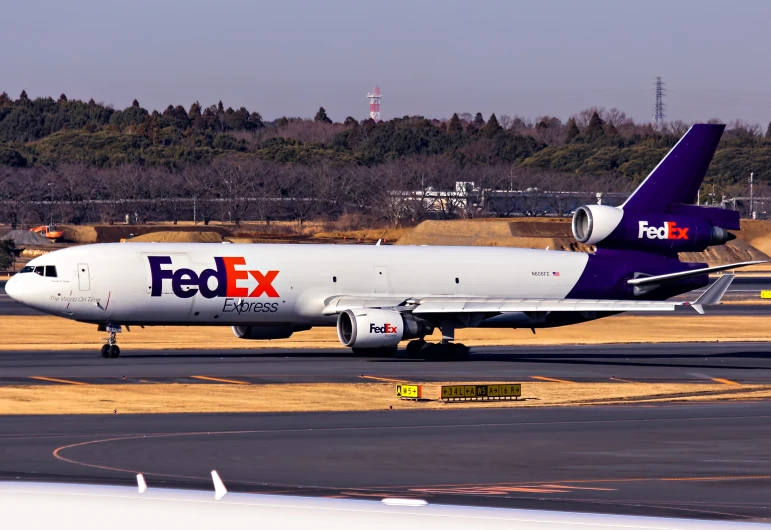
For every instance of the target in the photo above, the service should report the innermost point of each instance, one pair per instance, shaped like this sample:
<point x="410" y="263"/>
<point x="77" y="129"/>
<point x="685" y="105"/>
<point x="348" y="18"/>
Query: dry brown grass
<point x="177" y="237"/>
<point x="45" y="332"/>
<point x="200" y="398"/>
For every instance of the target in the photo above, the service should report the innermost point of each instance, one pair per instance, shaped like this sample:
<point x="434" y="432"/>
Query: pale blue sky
<point x="433" y="58"/>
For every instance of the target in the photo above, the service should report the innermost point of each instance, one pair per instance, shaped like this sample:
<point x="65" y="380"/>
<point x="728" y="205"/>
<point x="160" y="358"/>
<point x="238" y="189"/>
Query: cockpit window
<point x="26" y="269"/>
<point x="50" y="271"/>
<point x="40" y="271"/>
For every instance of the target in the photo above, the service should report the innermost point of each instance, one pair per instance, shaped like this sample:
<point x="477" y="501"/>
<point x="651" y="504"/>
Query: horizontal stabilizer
<point x="714" y="294"/>
<point x="651" y="280"/>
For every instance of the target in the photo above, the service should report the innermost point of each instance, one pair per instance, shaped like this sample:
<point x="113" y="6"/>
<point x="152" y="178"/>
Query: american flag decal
<point x="555" y="273"/>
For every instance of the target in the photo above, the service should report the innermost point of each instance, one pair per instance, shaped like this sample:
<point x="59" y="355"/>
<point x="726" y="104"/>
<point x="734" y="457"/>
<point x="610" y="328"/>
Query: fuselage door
<point x="84" y="277"/>
<point x="380" y="280"/>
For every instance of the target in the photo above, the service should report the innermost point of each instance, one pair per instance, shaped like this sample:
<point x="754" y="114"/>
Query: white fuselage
<point x="114" y="283"/>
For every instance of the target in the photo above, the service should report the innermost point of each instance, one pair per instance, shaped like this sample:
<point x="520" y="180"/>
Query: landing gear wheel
<point x="414" y="348"/>
<point x="445" y="351"/>
<point x="458" y="352"/>
<point x="106" y="351"/>
<point x="114" y="351"/>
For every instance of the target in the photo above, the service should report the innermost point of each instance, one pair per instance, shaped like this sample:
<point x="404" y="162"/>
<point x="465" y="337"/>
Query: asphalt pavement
<point x="667" y="362"/>
<point x="707" y="461"/>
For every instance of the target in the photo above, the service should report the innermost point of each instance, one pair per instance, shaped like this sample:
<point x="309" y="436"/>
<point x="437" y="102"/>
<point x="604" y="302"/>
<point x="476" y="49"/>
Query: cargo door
<point x="380" y="281"/>
<point x="84" y="277"/>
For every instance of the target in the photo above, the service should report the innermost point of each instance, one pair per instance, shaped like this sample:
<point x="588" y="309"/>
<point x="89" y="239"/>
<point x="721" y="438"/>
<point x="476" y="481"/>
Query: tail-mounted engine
<point x="684" y="229"/>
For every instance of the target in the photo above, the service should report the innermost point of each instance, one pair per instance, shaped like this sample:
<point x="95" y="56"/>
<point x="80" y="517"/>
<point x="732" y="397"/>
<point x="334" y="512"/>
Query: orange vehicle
<point x="49" y="231"/>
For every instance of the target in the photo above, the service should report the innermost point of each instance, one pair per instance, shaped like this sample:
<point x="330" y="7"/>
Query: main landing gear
<point x="447" y="350"/>
<point x="432" y="351"/>
<point x="110" y="349"/>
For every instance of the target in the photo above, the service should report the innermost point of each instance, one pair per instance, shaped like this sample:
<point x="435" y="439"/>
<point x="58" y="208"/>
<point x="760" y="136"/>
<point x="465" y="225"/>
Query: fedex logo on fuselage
<point x="227" y="271"/>
<point x="386" y="328"/>
<point x="668" y="231"/>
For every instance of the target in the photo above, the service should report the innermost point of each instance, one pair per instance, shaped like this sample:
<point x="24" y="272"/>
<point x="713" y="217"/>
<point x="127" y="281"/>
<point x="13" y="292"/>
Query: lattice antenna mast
<point x="374" y="105"/>
<point x="658" y="110"/>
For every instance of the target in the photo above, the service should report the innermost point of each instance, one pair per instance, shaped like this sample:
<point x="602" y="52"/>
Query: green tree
<point x="479" y="121"/>
<point x="596" y="129"/>
<point x="768" y="131"/>
<point x="255" y="121"/>
<point x="350" y="120"/>
<point x="572" y="134"/>
<point x="492" y="126"/>
<point x="321" y="116"/>
<point x="611" y="132"/>
<point x="8" y="253"/>
<point x="62" y="99"/>
<point x="455" y="126"/>
<point x="135" y="104"/>
<point x="283" y="122"/>
<point x="23" y="98"/>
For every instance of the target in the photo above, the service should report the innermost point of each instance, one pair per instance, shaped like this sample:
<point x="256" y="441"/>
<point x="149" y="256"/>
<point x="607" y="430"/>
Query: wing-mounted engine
<point x="266" y="332"/>
<point x="683" y="228"/>
<point x="379" y="328"/>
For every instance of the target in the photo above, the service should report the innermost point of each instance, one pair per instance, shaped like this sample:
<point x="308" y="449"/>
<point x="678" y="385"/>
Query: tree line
<point x="89" y="152"/>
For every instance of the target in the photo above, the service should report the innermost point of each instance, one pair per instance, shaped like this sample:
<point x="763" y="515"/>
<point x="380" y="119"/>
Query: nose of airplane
<point x="12" y="288"/>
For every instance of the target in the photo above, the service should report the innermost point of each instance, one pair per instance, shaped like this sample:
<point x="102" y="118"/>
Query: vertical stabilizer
<point x="677" y="178"/>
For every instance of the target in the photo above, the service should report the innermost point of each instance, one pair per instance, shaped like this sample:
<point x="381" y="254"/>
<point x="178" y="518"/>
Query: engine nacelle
<point x="610" y="227"/>
<point x="264" y="332"/>
<point x="378" y="328"/>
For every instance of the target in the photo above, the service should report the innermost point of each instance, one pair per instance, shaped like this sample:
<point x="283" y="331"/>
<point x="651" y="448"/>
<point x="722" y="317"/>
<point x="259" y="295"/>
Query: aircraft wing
<point x="459" y="304"/>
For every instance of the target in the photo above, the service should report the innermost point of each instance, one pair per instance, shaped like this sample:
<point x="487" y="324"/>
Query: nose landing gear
<point x="110" y="349"/>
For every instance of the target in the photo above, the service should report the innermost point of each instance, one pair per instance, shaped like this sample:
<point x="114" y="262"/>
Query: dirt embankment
<point x="177" y="237"/>
<point x="752" y="242"/>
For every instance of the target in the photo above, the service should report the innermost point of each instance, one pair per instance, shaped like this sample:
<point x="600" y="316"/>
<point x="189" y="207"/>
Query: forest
<point x="93" y="163"/>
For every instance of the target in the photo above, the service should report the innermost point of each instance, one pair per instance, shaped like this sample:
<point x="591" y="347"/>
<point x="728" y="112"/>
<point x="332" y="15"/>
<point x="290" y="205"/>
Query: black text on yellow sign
<point x="765" y="294"/>
<point x="465" y="392"/>
<point x="409" y="391"/>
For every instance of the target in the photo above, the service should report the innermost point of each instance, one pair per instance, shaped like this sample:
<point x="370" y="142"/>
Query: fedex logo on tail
<point x="670" y="230"/>
<point x="227" y="272"/>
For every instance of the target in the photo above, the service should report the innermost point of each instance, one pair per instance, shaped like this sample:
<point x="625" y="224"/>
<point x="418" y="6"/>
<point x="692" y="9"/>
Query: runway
<point x="709" y="461"/>
<point x="689" y="362"/>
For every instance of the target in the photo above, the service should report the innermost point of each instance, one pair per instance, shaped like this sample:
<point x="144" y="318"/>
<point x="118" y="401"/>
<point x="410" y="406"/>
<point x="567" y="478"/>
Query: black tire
<point x="414" y="348"/>
<point x="458" y="352"/>
<point x="114" y="351"/>
<point x="433" y="352"/>
<point x="106" y="351"/>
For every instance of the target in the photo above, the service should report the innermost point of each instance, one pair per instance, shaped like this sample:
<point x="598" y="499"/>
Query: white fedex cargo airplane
<point x="87" y="507"/>
<point x="378" y="296"/>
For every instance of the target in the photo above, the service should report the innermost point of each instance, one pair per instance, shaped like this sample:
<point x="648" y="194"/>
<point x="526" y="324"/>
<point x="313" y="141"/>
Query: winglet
<point x="219" y="486"/>
<point x="141" y="484"/>
<point x="714" y="294"/>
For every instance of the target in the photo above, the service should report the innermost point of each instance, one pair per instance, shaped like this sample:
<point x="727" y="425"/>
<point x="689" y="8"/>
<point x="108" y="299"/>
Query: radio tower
<point x="374" y="105"/>
<point x="658" y="110"/>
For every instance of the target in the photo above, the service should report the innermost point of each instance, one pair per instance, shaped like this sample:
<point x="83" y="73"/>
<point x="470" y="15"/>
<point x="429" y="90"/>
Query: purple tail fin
<point x="677" y="178"/>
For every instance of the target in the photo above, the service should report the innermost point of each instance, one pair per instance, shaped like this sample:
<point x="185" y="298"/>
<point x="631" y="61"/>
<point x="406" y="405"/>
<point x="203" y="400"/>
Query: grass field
<point x="220" y="398"/>
<point x="54" y="333"/>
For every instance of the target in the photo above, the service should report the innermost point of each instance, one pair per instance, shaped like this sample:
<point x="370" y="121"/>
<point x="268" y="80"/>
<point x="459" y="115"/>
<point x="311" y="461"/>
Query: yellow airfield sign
<point x="409" y="391"/>
<point x="481" y="392"/>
